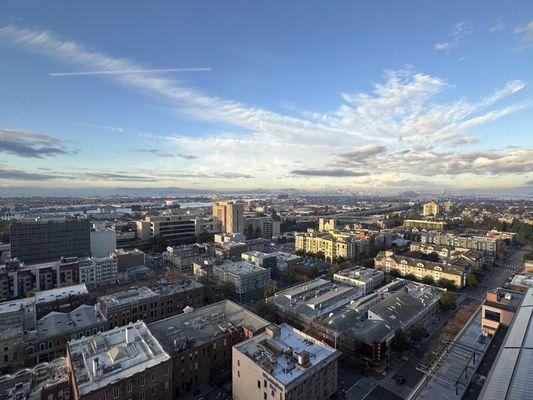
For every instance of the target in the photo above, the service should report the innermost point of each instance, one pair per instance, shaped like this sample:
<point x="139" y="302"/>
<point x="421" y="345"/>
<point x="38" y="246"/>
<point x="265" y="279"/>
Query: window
<point x="166" y="370"/>
<point x="142" y="394"/>
<point x="154" y="376"/>
<point x="102" y="397"/>
<point x="130" y="387"/>
<point x="153" y="391"/>
<point x="116" y="393"/>
<point x="141" y="381"/>
<point x="492" y="316"/>
<point x="259" y="384"/>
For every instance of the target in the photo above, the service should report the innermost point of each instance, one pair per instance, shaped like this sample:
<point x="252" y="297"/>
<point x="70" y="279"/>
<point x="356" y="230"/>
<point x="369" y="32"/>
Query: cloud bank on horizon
<point x="408" y="131"/>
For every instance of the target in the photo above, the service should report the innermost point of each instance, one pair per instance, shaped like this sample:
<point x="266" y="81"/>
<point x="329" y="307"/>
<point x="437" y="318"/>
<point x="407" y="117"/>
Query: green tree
<point x="270" y="289"/>
<point x="4" y="231"/>
<point x="399" y="342"/>
<point x="471" y="280"/>
<point x="417" y="333"/>
<point x="158" y="243"/>
<point x="289" y="276"/>
<point x="428" y="280"/>
<point x="411" y="277"/>
<point x="447" y="300"/>
<point x="314" y="271"/>
<point x="151" y="275"/>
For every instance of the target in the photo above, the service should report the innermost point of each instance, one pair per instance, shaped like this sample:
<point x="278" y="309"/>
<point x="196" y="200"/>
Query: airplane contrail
<point x="128" y="71"/>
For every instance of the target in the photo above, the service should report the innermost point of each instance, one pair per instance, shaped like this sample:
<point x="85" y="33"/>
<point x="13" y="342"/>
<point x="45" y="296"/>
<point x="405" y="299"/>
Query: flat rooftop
<point x="239" y="268"/>
<point x="125" y="297"/>
<point x="60" y="293"/>
<point x="110" y="356"/>
<point x="389" y="310"/>
<point x="278" y="355"/>
<point x="191" y="329"/>
<point x="258" y="254"/>
<point x="359" y="273"/>
<point x="55" y="323"/>
<point x="135" y="294"/>
<point x="315" y="298"/>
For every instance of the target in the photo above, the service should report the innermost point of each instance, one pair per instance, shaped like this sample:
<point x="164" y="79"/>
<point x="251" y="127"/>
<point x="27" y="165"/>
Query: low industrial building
<point x="284" y="363"/>
<point x="199" y="342"/>
<point x="364" y="328"/>
<point x="303" y="303"/>
<point x="366" y="279"/>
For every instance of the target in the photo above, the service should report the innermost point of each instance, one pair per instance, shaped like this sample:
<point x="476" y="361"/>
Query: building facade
<point x="200" y="342"/>
<point x="171" y="227"/>
<point x="35" y="242"/>
<point x="96" y="272"/>
<point x="387" y="261"/>
<point x="284" y="363"/>
<point x="228" y="217"/>
<point x="245" y="279"/>
<point x="150" y="305"/>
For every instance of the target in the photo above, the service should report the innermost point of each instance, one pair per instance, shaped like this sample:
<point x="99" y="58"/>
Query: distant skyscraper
<point x="228" y="217"/>
<point x="35" y="242"/>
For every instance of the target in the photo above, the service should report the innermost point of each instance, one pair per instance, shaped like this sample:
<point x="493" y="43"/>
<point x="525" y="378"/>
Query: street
<point x="358" y="387"/>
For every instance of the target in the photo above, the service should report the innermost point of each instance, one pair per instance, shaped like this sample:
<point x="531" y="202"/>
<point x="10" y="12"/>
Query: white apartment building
<point x="286" y="364"/>
<point x="96" y="272"/>
<point x="366" y="279"/>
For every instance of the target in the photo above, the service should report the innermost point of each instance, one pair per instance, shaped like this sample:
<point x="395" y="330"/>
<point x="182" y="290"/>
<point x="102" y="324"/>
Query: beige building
<point x="388" y="261"/>
<point x="327" y="224"/>
<point x="228" y="217"/>
<point x="424" y="224"/>
<point x="330" y="245"/>
<point x="430" y="209"/>
<point x="172" y="227"/>
<point x="286" y="364"/>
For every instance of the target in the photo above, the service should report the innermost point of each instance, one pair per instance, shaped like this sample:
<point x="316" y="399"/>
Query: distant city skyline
<point x="237" y="96"/>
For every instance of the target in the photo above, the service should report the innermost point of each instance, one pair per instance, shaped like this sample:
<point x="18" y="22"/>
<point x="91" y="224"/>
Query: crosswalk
<point x="360" y="389"/>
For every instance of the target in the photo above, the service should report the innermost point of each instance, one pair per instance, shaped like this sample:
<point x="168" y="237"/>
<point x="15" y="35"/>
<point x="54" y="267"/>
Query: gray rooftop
<point x="134" y="295"/>
<point x="278" y="355"/>
<point x="314" y="298"/>
<point x="55" y="323"/>
<point x="191" y="329"/>
<point x="239" y="268"/>
<point x="61" y="293"/>
<point x="110" y="356"/>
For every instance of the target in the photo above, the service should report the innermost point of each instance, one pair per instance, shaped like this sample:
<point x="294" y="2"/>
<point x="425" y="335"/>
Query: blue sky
<point x="369" y="95"/>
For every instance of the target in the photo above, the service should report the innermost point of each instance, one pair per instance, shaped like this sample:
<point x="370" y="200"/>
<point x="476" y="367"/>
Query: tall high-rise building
<point x="34" y="242"/>
<point x="431" y="209"/>
<point x="228" y="217"/>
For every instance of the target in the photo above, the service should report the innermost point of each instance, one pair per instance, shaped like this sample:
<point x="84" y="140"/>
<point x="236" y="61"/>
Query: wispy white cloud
<point x="526" y="34"/>
<point x="393" y="127"/>
<point x="129" y="71"/>
<point x="458" y="32"/>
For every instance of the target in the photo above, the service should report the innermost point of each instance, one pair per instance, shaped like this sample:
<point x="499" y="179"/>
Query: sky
<point x="223" y="95"/>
